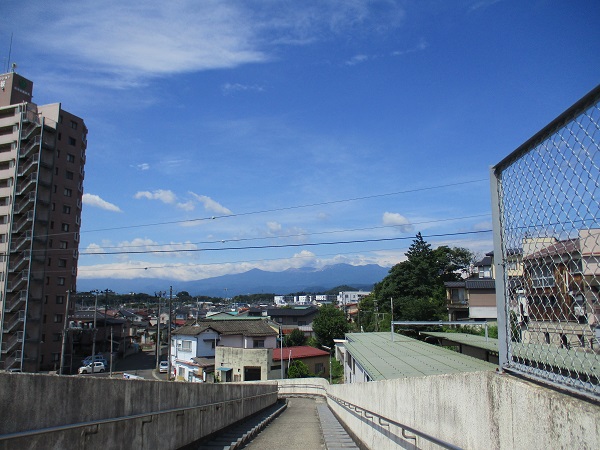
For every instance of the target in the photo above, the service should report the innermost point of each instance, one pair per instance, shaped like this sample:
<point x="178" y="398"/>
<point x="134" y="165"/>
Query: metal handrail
<point x="22" y="434"/>
<point x="373" y="416"/>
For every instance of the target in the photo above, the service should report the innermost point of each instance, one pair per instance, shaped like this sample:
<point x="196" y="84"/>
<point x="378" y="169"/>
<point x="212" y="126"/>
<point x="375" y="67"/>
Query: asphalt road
<point x="141" y="364"/>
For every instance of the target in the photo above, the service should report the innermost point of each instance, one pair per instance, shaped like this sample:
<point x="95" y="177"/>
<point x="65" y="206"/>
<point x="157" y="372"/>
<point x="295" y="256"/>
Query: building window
<point x="56" y="337"/>
<point x="66" y="209"/>
<point x="64" y="244"/>
<point x="259" y="343"/>
<point x="70" y="158"/>
<point x="62" y="263"/>
<point x="55" y="357"/>
<point x="542" y="276"/>
<point x="319" y="368"/>
<point x="60" y="281"/>
<point x="60" y="299"/>
<point x="73" y="124"/>
<point x="69" y="175"/>
<point x="68" y="192"/>
<point x="59" y="138"/>
<point x="72" y="141"/>
<point x="58" y="318"/>
<point x="65" y="227"/>
<point x="184" y="346"/>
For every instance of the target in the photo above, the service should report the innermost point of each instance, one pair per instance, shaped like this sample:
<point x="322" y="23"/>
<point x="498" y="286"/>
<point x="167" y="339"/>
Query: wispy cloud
<point x="96" y="202"/>
<point x="123" y="44"/>
<point x="164" y="196"/>
<point x="357" y="59"/>
<point x="483" y="4"/>
<point x="230" y="88"/>
<point x="397" y="220"/>
<point x="143" y="166"/>
<point x="422" y="45"/>
<point x="210" y="205"/>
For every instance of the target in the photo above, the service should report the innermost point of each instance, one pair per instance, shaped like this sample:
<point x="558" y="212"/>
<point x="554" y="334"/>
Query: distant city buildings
<point x="42" y="158"/>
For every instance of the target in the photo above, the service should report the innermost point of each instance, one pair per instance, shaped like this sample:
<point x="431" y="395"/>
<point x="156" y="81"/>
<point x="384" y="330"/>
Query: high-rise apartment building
<point x="42" y="157"/>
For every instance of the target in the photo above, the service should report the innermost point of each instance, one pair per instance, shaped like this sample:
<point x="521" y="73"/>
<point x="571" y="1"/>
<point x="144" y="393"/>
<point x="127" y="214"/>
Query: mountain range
<point x="254" y="281"/>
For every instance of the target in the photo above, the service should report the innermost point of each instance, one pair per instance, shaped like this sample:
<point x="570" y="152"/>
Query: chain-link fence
<point x="546" y="201"/>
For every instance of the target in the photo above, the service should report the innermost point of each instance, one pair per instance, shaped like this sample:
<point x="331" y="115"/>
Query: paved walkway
<point x="298" y="427"/>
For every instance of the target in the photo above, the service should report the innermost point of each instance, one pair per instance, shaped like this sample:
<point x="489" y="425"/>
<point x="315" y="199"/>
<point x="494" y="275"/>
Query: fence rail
<point x="546" y="212"/>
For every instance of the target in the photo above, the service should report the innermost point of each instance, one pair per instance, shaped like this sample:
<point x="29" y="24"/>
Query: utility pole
<point x="64" y="336"/>
<point x="281" y="347"/>
<point x="169" y="331"/>
<point x="94" y="331"/>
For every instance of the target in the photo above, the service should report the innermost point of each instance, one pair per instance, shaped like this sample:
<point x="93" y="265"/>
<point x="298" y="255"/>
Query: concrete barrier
<point x="467" y="410"/>
<point x="89" y="412"/>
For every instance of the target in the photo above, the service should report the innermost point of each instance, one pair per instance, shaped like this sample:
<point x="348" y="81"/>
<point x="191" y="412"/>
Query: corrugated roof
<point x="302" y="351"/>
<point x="467" y="339"/>
<point x="383" y="359"/>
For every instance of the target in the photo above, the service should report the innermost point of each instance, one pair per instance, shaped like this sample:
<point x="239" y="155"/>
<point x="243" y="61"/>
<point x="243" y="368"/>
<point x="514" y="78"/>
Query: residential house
<point x="201" y="339"/>
<point x="561" y="286"/>
<point x="293" y="317"/>
<point x="347" y="297"/>
<point x="474" y="297"/>
<point x="239" y="364"/>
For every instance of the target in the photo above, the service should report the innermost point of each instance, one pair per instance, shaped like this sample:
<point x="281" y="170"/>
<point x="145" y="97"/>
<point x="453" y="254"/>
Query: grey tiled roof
<point x="257" y="327"/>
<point x="479" y="283"/>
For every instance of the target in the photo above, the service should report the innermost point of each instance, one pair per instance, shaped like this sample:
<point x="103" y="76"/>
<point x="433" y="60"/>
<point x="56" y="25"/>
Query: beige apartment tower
<point x="42" y="156"/>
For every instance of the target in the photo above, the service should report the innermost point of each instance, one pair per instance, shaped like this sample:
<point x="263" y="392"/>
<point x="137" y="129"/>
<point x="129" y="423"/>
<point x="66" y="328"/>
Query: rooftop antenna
<point x="9" y="52"/>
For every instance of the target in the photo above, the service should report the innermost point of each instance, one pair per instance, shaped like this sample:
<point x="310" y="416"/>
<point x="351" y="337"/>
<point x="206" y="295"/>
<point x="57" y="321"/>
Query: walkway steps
<point x="334" y="434"/>
<point x="244" y="431"/>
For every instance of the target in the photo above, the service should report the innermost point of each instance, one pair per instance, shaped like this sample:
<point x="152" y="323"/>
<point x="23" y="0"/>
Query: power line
<point x="222" y="241"/>
<point x="287" y="208"/>
<point x="262" y="247"/>
<point x="188" y="265"/>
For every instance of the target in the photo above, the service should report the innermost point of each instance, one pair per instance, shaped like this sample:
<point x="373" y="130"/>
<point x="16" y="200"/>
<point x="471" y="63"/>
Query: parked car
<point x="96" y="367"/>
<point x="98" y="358"/>
<point x="163" y="366"/>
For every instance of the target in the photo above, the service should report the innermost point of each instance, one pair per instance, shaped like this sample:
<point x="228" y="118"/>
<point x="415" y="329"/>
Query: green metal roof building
<point x="375" y="357"/>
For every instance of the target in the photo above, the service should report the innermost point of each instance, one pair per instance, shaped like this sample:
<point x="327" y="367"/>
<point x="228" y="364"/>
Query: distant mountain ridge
<point x="254" y="281"/>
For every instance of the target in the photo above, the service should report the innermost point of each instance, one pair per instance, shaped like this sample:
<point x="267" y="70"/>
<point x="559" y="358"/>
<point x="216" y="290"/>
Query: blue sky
<point x="295" y="122"/>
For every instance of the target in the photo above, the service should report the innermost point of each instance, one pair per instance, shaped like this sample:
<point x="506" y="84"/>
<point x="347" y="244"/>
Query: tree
<point x="298" y="369"/>
<point x="295" y="338"/>
<point x="329" y="324"/>
<point x="415" y="286"/>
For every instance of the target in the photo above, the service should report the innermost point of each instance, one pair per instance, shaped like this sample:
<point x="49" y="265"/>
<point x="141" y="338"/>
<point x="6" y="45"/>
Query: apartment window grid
<point x="547" y="231"/>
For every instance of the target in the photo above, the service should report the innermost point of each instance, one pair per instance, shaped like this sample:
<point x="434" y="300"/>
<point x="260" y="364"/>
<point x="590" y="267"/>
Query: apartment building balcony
<point x="19" y="261"/>
<point x="13" y="342"/>
<point x="18" y="282"/>
<point x="28" y="148"/>
<point x="12" y="324"/>
<point x="13" y="304"/>
<point x="24" y="203"/>
<point x="23" y="222"/>
<point x="26" y="183"/>
<point x="13" y="360"/>
<point x="29" y="165"/>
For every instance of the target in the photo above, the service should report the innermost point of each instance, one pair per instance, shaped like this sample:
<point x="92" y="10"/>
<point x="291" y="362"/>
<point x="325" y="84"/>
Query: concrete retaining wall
<point x="472" y="411"/>
<point x="33" y="401"/>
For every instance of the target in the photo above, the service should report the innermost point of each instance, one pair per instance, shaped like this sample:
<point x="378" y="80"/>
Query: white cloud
<point x="122" y="44"/>
<point x="164" y="196"/>
<point x="210" y="205"/>
<point x="96" y="202"/>
<point x="357" y="59"/>
<point x="143" y="166"/>
<point x="398" y="220"/>
<point x="274" y="227"/>
<point x="229" y="88"/>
